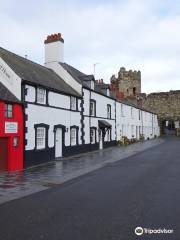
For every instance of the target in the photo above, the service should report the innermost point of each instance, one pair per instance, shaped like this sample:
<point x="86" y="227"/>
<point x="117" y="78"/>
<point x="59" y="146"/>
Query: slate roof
<point x="77" y="75"/>
<point x="6" y="95"/>
<point x="35" y="73"/>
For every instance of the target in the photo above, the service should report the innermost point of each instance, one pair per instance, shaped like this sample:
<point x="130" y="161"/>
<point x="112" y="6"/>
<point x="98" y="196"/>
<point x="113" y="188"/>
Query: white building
<point x="65" y="111"/>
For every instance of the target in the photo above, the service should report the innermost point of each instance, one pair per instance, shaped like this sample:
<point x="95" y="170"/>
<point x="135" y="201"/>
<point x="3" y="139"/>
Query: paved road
<point x="107" y="204"/>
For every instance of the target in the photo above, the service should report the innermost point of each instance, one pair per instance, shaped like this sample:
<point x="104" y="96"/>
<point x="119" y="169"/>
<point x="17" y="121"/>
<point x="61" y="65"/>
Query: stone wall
<point x="165" y="104"/>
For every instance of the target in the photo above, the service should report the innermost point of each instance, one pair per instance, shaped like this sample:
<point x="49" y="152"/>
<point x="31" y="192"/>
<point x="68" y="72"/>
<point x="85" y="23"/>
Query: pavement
<point x="35" y="179"/>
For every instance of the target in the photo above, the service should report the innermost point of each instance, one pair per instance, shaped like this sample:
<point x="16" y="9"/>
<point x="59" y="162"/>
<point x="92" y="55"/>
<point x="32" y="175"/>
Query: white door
<point x="100" y="140"/>
<point x="58" y="143"/>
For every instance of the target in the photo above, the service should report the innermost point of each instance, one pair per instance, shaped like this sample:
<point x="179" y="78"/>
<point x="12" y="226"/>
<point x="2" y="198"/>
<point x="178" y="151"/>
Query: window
<point x="132" y="130"/>
<point x="132" y="113"/>
<point x="108" y="111"/>
<point x="8" y="110"/>
<point x="41" y="95"/>
<point x="139" y="115"/>
<point x="109" y="135"/>
<point x="92" y="108"/>
<point x="73" y="103"/>
<point x="40" y="137"/>
<point x="73" y="136"/>
<point x="122" y="110"/>
<point x="92" y="135"/>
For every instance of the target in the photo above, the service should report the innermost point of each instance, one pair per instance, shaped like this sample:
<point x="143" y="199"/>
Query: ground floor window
<point x="132" y="130"/>
<point x="73" y="136"/>
<point x="92" y="135"/>
<point x="40" y="137"/>
<point x="109" y="135"/>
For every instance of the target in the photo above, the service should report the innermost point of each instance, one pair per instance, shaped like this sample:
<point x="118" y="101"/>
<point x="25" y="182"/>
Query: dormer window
<point x="41" y="96"/>
<point x="73" y="103"/>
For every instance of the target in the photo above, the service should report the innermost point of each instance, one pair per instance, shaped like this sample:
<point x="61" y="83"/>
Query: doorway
<point x="58" y="142"/>
<point x="3" y="154"/>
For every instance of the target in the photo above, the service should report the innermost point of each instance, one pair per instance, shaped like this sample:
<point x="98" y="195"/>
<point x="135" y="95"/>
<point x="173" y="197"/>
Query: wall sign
<point x="11" y="127"/>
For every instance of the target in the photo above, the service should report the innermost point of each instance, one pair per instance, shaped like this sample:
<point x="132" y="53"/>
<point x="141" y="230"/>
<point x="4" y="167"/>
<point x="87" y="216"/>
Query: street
<point x="142" y="190"/>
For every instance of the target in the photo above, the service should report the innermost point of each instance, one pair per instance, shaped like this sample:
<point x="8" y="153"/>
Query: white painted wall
<point x="101" y="113"/>
<point x="126" y="122"/>
<point x="58" y="100"/>
<point x="50" y="116"/>
<point x="10" y="79"/>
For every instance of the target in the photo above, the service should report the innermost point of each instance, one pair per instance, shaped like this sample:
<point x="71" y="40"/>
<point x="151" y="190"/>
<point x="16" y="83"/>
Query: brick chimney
<point x="54" y="49"/>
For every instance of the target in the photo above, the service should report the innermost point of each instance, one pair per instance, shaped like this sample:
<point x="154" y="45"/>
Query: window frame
<point x="109" y="112"/>
<point x="7" y="110"/>
<point x="95" y="135"/>
<point x="92" y="101"/>
<point x="46" y="131"/>
<point x="39" y="95"/>
<point x="122" y="110"/>
<point x="76" y="128"/>
<point x="74" y="108"/>
<point x="109" y="135"/>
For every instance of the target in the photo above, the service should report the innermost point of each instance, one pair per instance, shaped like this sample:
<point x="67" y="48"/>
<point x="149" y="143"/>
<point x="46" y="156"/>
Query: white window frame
<point x="109" y="111"/>
<point x="109" y="135"/>
<point x="73" y="103"/>
<point x="132" y="112"/>
<point x="40" y="137"/>
<point x="41" y="95"/>
<point x="132" y="131"/>
<point x="93" y="135"/>
<point x="73" y="136"/>
<point x="92" y="108"/>
<point x="122" y="110"/>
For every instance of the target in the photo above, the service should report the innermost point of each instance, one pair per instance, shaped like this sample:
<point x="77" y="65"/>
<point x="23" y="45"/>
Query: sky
<point x="136" y="34"/>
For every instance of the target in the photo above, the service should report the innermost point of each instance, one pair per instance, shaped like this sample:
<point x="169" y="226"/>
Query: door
<point x="3" y="154"/>
<point x="58" y="143"/>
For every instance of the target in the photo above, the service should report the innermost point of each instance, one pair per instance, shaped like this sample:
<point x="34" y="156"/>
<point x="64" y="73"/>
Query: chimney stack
<point x="54" y="49"/>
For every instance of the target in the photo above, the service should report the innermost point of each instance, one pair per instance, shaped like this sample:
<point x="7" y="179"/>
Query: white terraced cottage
<point x="65" y="111"/>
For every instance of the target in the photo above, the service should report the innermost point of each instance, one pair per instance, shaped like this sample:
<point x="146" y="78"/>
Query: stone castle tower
<point x="127" y="85"/>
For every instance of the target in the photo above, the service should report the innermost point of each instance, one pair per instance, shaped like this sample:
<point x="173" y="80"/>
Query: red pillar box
<point x="11" y="136"/>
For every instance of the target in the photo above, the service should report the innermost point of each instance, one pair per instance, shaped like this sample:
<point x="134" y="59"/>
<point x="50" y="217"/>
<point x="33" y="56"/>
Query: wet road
<point x="106" y="204"/>
<point x="22" y="183"/>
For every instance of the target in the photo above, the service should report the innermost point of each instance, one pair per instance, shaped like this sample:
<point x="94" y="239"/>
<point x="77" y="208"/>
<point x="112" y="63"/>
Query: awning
<point x="104" y="124"/>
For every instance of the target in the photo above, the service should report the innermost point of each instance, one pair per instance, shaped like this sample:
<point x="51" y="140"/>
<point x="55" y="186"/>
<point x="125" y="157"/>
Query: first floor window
<point x="8" y="110"/>
<point x="92" y="108"/>
<point x="93" y="135"/>
<point x="40" y="137"/>
<point x="73" y="103"/>
<point x="73" y="136"/>
<point x="108" y="111"/>
<point x="41" y="96"/>
<point x="122" y="110"/>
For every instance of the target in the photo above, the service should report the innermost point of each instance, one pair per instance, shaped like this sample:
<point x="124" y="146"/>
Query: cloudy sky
<point x="137" y="34"/>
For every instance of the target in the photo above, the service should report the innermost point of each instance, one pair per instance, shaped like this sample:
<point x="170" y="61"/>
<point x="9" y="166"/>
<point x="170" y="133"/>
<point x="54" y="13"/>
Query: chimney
<point x="54" y="48"/>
